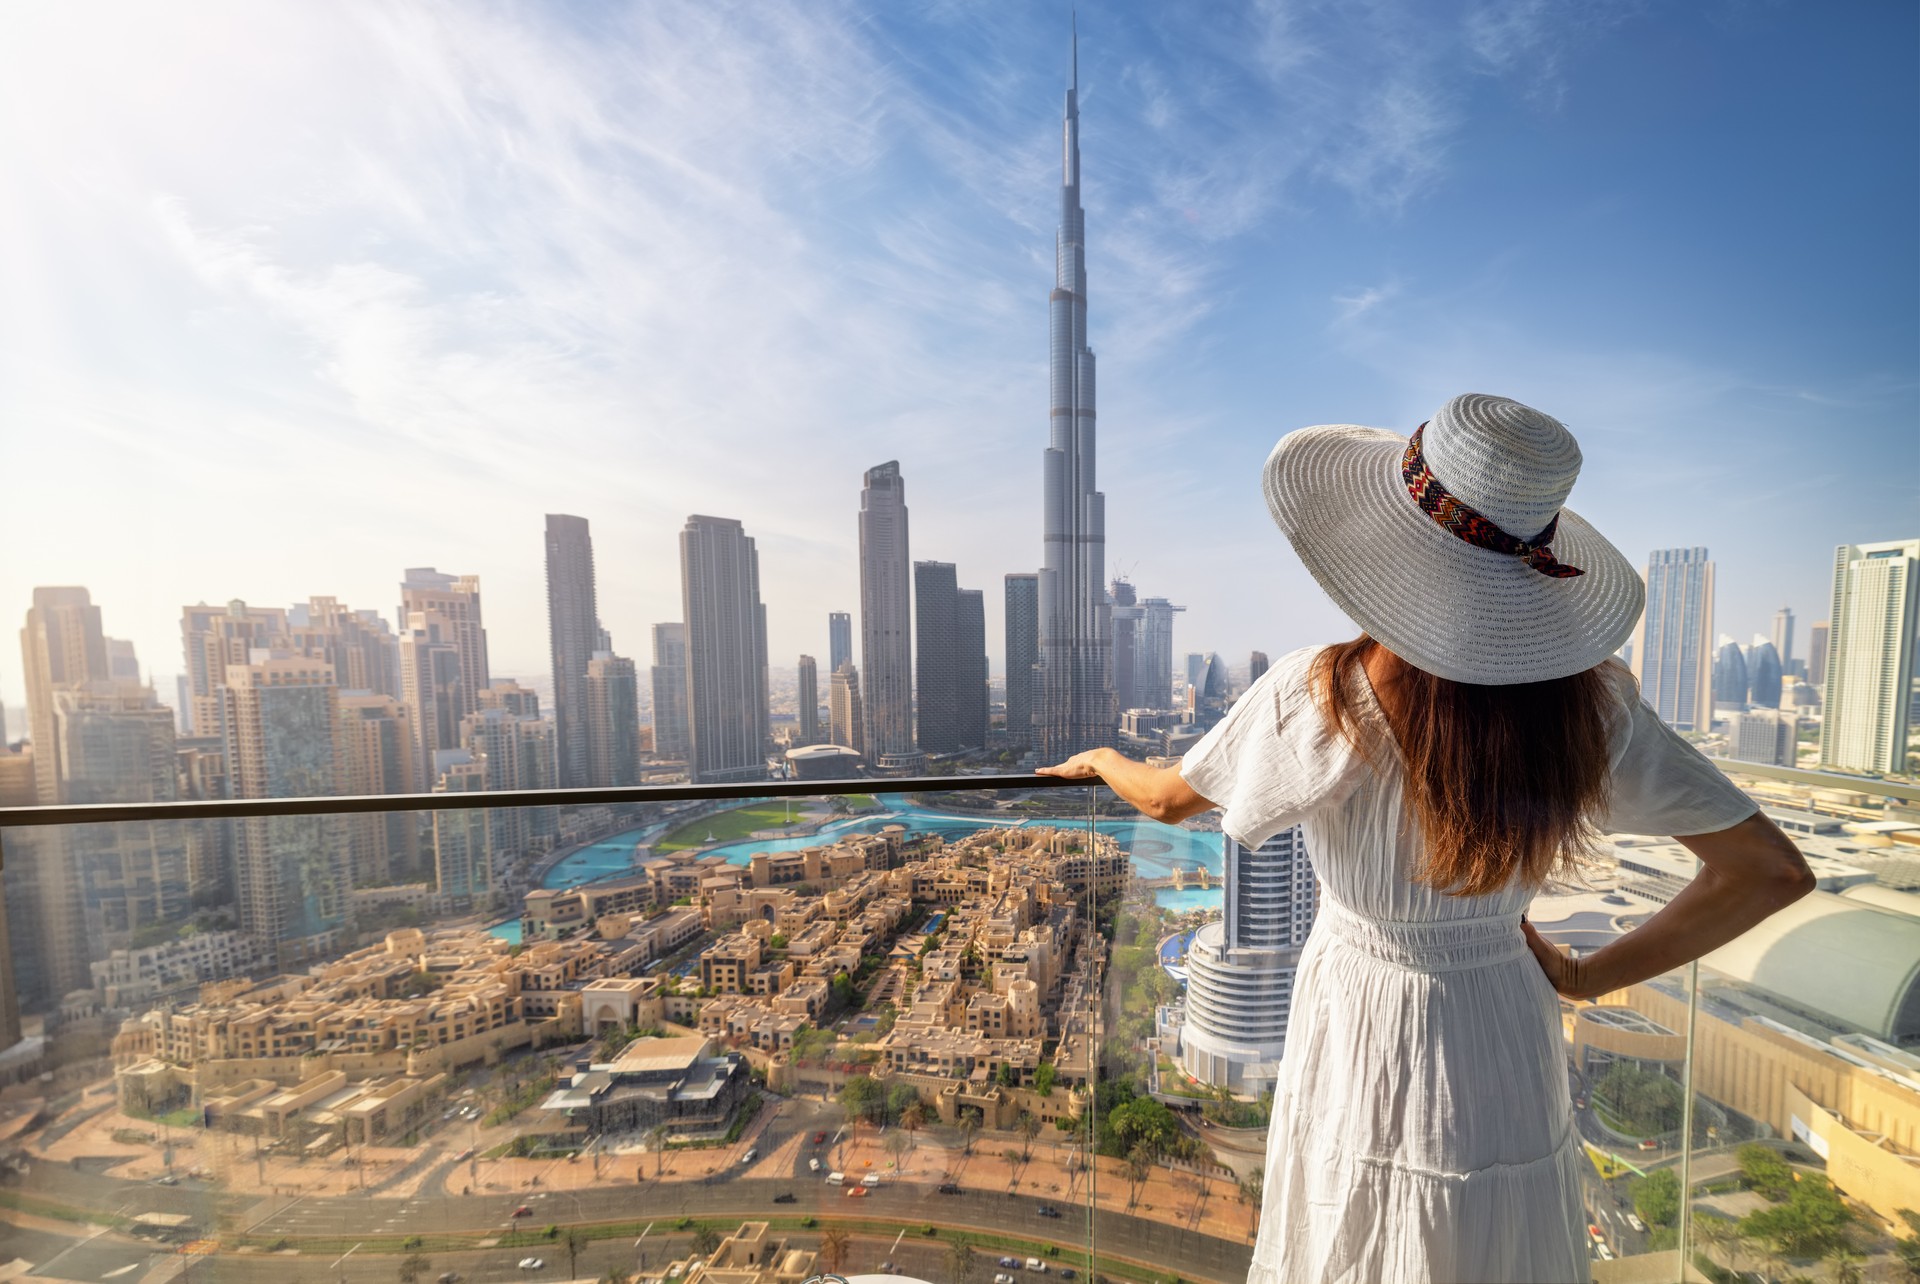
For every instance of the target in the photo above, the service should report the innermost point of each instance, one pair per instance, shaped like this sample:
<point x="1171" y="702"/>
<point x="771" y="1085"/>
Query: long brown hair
<point x="1502" y="780"/>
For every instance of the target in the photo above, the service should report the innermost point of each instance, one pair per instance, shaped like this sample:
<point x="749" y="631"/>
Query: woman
<point x="1469" y="745"/>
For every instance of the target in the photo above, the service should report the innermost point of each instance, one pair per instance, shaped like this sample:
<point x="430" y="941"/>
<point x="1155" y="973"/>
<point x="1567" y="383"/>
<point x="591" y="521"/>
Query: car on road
<point x="1036" y="1265"/>
<point x="448" y="1277"/>
<point x="1593" y="1232"/>
<point x="1067" y="1273"/>
<point x="857" y="1192"/>
<point x="523" y="1211"/>
<point x="532" y="1264"/>
<point x="463" y="1156"/>
<point x="887" y="1267"/>
<point x="753" y="1153"/>
<point x="1636" y="1223"/>
<point x="819" y="1138"/>
<point x="1010" y="1262"/>
<point x="1649" y="1144"/>
<point x="1003" y="1278"/>
<point x="786" y="1197"/>
<point x="168" y="1180"/>
<point x="813" y="1165"/>
<point x="871" y="1179"/>
<point x="1047" y="1210"/>
<point x="949" y="1188"/>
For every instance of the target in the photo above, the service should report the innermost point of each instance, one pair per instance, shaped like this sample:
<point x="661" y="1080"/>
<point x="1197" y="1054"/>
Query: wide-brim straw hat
<point x="1430" y="585"/>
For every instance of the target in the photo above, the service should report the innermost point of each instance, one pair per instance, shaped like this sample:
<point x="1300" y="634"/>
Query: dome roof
<point x="1838" y="956"/>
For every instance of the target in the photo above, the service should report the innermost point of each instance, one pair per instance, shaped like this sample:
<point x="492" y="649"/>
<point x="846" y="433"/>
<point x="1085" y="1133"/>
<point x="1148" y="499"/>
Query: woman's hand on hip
<point x="1569" y="975"/>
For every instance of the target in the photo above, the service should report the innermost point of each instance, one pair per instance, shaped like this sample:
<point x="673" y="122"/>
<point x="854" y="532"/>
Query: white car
<point x="1036" y="1265"/>
<point x="813" y="1165"/>
<point x="1003" y="1278"/>
<point x="532" y="1264"/>
<point x="1636" y="1223"/>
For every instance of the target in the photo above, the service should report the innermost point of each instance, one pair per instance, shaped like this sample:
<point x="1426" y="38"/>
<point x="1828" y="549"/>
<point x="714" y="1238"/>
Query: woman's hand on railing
<point x="1082" y="766"/>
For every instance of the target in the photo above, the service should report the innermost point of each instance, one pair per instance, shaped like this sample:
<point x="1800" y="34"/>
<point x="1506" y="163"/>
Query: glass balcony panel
<point x="857" y="1028"/>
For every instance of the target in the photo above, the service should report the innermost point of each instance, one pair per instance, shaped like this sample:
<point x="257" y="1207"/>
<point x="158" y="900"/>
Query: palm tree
<point x="1028" y="1127"/>
<point x="969" y="1125"/>
<point x="1012" y="1157"/>
<point x="1846" y="1264"/>
<point x="1711" y="1231"/>
<point x="705" y="1240"/>
<point x="833" y="1248"/>
<point x="575" y="1241"/>
<point x="414" y="1268"/>
<point x="913" y="1119"/>
<point x="1253" y="1193"/>
<point x="960" y="1263"/>
<point x="897" y="1145"/>
<point x="1139" y="1168"/>
<point x="657" y="1139"/>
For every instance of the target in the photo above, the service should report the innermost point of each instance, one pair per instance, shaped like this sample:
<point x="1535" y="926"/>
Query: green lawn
<point x="728" y="825"/>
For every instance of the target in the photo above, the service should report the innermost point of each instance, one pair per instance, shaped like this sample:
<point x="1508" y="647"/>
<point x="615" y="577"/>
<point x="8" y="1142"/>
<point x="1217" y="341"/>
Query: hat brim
<point x="1454" y="609"/>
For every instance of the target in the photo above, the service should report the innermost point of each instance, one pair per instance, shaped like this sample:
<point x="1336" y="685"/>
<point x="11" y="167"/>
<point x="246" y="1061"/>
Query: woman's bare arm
<point x="1161" y="793"/>
<point x="1746" y="873"/>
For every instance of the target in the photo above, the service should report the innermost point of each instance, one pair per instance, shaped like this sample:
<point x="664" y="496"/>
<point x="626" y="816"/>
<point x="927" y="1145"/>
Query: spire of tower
<point x="1074" y="20"/>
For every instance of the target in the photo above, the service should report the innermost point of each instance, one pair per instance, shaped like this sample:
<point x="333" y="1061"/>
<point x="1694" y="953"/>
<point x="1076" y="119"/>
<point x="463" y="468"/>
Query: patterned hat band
<point x="1464" y="523"/>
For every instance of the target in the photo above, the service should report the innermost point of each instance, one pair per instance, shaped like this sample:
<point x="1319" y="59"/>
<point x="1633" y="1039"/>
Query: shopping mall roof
<point x="1834" y="956"/>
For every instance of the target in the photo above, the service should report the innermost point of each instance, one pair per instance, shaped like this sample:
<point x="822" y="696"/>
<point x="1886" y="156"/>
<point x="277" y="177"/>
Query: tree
<point x="898" y="1143"/>
<point x="1028" y="1127"/>
<point x="576" y="1240"/>
<point x="899" y="1097"/>
<point x="1845" y="1263"/>
<point x="414" y="1268"/>
<point x="1766" y="1173"/>
<point x="1646" y="1100"/>
<point x="1144" y="1122"/>
<point x="1139" y="1168"/>
<point x="862" y="1098"/>
<point x="913" y="1118"/>
<point x="960" y="1263"/>
<point x="1656" y="1197"/>
<point x="1253" y="1193"/>
<point x="657" y="1139"/>
<point x="1812" y="1221"/>
<point x="1712" y="1231"/>
<point x="969" y="1125"/>
<point x="1012" y="1157"/>
<point x="614" y="1275"/>
<point x="833" y="1248"/>
<point x="1043" y="1078"/>
<point x="705" y="1240"/>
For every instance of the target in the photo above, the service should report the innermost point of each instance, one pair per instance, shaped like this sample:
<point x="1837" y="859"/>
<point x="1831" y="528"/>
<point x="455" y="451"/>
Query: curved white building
<point x="1240" y="971"/>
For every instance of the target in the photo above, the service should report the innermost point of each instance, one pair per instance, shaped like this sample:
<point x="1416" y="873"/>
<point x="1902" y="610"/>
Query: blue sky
<point x="299" y="297"/>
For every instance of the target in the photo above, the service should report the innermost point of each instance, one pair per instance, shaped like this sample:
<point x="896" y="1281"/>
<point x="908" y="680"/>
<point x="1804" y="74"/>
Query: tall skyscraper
<point x="1127" y="619"/>
<point x="1023" y="652"/>
<point x="213" y="637"/>
<point x="613" y="721"/>
<point x="972" y="701"/>
<point x="726" y="651"/>
<point x="846" y="724"/>
<point x="1256" y="667"/>
<point x="839" y="640"/>
<point x="807" y="700"/>
<point x="363" y="650"/>
<point x="1673" y="643"/>
<point x="1763" y="674"/>
<point x="1783" y="637"/>
<point x="1870" y="656"/>
<point x="451" y="604"/>
<point x="1153" y="667"/>
<point x="670" y="691"/>
<point x="1075" y="692"/>
<point x="936" y="657"/>
<point x="463" y="841"/>
<point x="1817" y="654"/>
<point x="292" y="875"/>
<point x="886" y="616"/>
<point x="62" y="647"/>
<point x="573" y="628"/>
<point x="378" y="754"/>
<point x="1240" y="970"/>
<point x="432" y="687"/>
<point x="1729" y="675"/>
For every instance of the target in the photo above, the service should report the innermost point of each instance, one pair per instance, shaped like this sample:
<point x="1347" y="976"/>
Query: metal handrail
<point x="360" y="804"/>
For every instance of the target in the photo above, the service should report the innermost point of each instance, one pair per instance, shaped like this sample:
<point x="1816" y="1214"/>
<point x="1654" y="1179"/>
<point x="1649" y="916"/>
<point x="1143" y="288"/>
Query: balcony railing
<point x="239" y="1130"/>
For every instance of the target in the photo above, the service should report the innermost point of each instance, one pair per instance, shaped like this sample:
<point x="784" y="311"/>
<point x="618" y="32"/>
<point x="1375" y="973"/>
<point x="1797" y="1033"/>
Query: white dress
<point x="1422" y="1129"/>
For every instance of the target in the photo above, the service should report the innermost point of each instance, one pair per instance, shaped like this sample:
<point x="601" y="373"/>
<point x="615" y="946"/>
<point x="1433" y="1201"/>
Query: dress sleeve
<point x="1271" y="760"/>
<point x="1663" y="785"/>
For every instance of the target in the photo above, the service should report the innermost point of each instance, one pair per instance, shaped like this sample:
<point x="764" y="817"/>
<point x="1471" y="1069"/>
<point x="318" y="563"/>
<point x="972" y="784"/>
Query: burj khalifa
<point x="1073" y="709"/>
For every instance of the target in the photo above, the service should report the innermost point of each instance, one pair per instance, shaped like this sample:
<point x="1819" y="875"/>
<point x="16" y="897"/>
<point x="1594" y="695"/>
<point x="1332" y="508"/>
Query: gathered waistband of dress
<point x="1439" y="945"/>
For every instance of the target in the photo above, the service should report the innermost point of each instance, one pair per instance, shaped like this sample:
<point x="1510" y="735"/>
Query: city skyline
<point x="1261" y="210"/>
